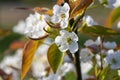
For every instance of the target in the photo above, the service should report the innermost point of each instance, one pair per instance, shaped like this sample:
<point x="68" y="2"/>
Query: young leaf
<point x="59" y="2"/>
<point x="70" y="76"/>
<point x="113" y="17"/>
<point x="43" y="11"/>
<point x="16" y="45"/>
<point x="55" y="57"/>
<point x="28" y="54"/>
<point x="83" y="4"/>
<point x="98" y="30"/>
<point x="4" y="32"/>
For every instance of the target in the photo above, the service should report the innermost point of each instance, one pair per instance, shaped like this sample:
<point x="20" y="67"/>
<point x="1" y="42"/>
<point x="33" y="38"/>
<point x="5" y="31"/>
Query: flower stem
<point x="78" y="66"/>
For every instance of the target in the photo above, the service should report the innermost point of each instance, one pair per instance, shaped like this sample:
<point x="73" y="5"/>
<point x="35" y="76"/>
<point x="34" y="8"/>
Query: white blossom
<point x="86" y="67"/>
<point x="40" y="63"/>
<point x="118" y="25"/>
<point x="61" y="15"/>
<point x="89" y="20"/>
<point x="114" y="59"/>
<point x="104" y="61"/>
<point x="14" y="61"/>
<point x="67" y="41"/>
<point x="119" y="72"/>
<point x="91" y="42"/>
<point x="86" y="55"/>
<point x="65" y="68"/>
<point x="61" y="72"/>
<point x="109" y="45"/>
<point x="112" y="3"/>
<point x="20" y="27"/>
<point x="10" y="64"/>
<point x="35" y="25"/>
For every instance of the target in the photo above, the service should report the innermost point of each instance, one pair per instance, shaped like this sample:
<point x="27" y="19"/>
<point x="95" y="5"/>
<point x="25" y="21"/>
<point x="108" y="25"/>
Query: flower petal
<point x="64" y="24"/>
<point x="55" y="19"/>
<point x="64" y="47"/>
<point x="56" y="9"/>
<point x="66" y="7"/>
<point x="73" y="47"/>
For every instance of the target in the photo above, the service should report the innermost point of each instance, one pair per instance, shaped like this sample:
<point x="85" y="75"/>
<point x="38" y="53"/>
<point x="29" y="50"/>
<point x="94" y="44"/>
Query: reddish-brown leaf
<point x="43" y="10"/>
<point x="4" y="32"/>
<point x="113" y="17"/>
<point x="59" y="2"/>
<point x="28" y="54"/>
<point x="10" y="77"/>
<point x="17" y="44"/>
<point x="80" y="6"/>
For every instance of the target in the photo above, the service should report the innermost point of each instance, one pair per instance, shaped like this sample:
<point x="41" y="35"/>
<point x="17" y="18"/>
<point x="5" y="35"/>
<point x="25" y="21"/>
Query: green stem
<point x="101" y="56"/>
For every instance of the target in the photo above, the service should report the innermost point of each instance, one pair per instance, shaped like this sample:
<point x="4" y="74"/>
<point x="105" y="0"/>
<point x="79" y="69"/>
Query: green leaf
<point x="4" y="32"/>
<point x="98" y="30"/>
<point x="113" y="74"/>
<point x="7" y="40"/>
<point x="82" y="38"/>
<point x="28" y="55"/>
<point x="113" y="17"/>
<point x="70" y="76"/>
<point x="55" y="57"/>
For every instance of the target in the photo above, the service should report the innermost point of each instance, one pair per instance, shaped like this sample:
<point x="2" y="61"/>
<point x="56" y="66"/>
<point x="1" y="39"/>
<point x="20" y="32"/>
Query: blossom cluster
<point x="97" y="54"/>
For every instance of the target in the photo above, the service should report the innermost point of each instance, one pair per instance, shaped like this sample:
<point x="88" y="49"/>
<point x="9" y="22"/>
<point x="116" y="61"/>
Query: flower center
<point x="69" y="40"/>
<point x="40" y="18"/>
<point x="114" y="61"/>
<point x="63" y="15"/>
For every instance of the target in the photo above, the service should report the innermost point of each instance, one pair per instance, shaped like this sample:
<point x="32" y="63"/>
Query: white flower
<point x="118" y="25"/>
<point x="53" y="77"/>
<point x="110" y="45"/>
<point x="104" y="61"/>
<point x="65" y="68"/>
<point x="40" y="63"/>
<point x="12" y="61"/>
<point x="86" y="67"/>
<point x="111" y="51"/>
<point x="67" y="41"/>
<point x="35" y="24"/>
<point x="114" y="59"/>
<point x="86" y="55"/>
<point x="61" y="15"/>
<point x="89" y="20"/>
<point x="118" y="72"/>
<point x="112" y="3"/>
<point x="20" y="27"/>
<point x="91" y="42"/>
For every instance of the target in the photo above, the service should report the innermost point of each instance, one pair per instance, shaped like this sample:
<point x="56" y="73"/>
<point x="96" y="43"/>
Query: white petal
<point x="64" y="24"/>
<point x="55" y="19"/>
<point x="56" y="9"/>
<point x="63" y="47"/>
<point x="73" y="47"/>
<point x="64" y="32"/>
<point x="89" y="20"/>
<point x="110" y="45"/>
<point x="66" y="7"/>
<point x="118" y="25"/>
<point x="98" y="41"/>
<point x="74" y="36"/>
<point x="58" y="40"/>
<point x="89" y="42"/>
